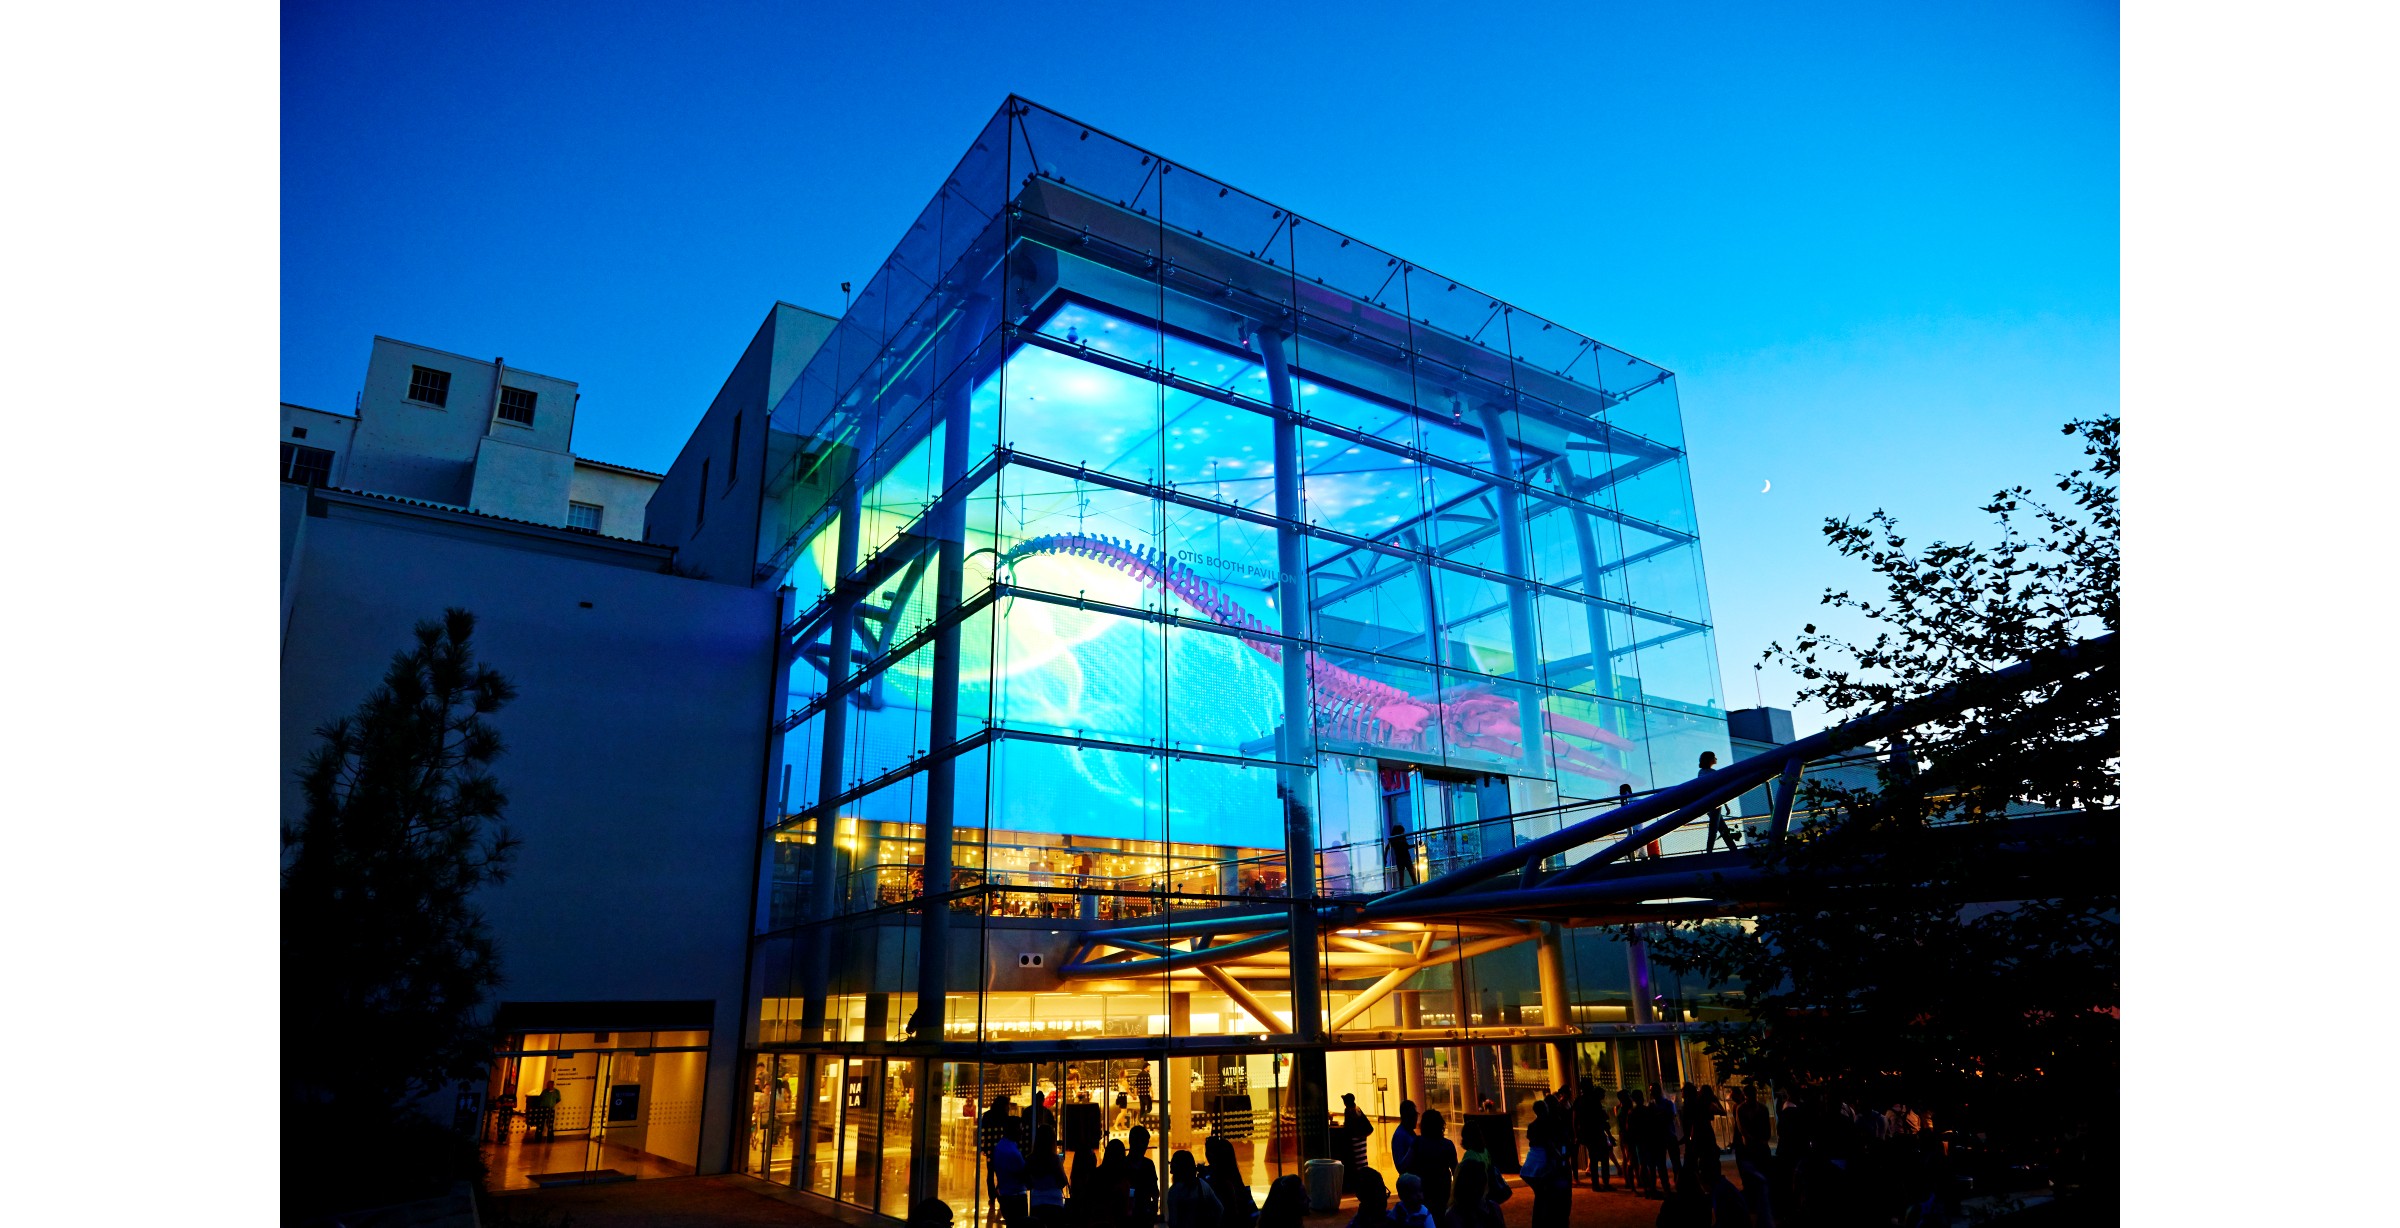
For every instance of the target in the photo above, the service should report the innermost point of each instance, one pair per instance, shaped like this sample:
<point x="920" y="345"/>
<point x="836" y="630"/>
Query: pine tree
<point x="386" y="958"/>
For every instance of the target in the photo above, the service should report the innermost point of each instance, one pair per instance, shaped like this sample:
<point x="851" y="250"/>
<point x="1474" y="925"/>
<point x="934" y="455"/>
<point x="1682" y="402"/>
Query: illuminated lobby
<point x="1162" y="572"/>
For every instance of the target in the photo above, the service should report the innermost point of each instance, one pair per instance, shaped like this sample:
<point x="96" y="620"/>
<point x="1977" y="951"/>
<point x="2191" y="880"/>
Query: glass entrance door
<point x="775" y="1084"/>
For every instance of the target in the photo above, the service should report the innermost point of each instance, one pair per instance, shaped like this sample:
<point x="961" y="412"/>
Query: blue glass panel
<point x="973" y="195"/>
<point x="1350" y="826"/>
<point x="1476" y="627"/>
<point x="1355" y="276"/>
<point x="798" y="776"/>
<point x="1678" y="666"/>
<point x="1668" y="582"/>
<point x="1233" y="564"/>
<point x="1221" y="453"/>
<point x="1370" y="601"/>
<point x="1224" y="804"/>
<point x="1677" y="740"/>
<point x="1650" y="410"/>
<point x="908" y="477"/>
<point x="976" y="646"/>
<point x="1224" y="694"/>
<point x="1044" y="787"/>
<point x="1377" y="706"/>
<point x="1593" y="745"/>
<point x="1658" y="495"/>
<point x="1079" y="673"/>
<point x="1062" y="535"/>
<point x="1485" y="726"/>
<point x="888" y="718"/>
<point x="1355" y="488"/>
<point x="1080" y="413"/>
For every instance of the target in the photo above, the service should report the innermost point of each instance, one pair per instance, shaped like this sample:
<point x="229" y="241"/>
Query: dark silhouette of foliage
<point x="386" y="960"/>
<point x="1907" y="981"/>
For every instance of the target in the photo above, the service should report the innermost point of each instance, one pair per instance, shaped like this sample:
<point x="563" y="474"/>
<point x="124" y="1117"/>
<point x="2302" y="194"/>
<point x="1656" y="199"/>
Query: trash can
<point x="1324" y="1181"/>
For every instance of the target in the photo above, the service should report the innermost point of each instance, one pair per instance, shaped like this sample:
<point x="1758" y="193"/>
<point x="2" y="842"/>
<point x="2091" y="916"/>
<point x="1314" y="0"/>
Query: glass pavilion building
<point x="1161" y="570"/>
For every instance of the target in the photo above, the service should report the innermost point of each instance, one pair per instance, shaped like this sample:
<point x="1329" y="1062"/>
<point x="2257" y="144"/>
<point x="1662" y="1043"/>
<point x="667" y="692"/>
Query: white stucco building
<point x="466" y="433"/>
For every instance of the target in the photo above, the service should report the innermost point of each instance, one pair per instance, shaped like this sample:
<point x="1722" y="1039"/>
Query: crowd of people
<point x="1805" y="1161"/>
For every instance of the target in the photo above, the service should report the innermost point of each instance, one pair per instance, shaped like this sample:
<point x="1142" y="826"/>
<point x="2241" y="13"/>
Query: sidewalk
<point x="739" y="1202"/>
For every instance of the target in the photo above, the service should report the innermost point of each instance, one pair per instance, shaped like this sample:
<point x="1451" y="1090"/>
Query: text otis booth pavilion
<point x="1158" y="569"/>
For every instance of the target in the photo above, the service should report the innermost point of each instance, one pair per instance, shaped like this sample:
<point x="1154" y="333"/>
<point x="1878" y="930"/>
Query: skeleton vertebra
<point x="1349" y="707"/>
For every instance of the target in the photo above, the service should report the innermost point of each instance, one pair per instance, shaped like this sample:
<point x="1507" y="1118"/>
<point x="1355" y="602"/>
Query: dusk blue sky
<point x="1876" y="242"/>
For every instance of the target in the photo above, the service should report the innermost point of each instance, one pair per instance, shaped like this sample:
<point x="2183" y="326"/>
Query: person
<point x="1372" y="1212"/>
<point x="1141" y="1182"/>
<point x="1716" y="815"/>
<point x="1661" y="1131"/>
<point x="1356" y="1129"/>
<point x="1046" y="1185"/>
<point x="1112" y="1190"/>
<point x="1753" y="1128"/>
<point x="1411" y="1212"/>
<point x="1471" y="1205"/>
<point x="1404" y="1135"/>
<point x="1141" y="1086"/>
<point x="1041" y="1123"/>
<point x="1190" y="1201"/>
<point x="1592" y="1131"/>
<point x="1553" y="1178"/>
<point x="931" y="1213"/>
<point x="542" y="1114"/>
<point x="1086" y="1207"/>
<point x="1397" y="859"/>
<point x="1726" y="1201"/>
<point x="994" y="1123"/>
<point x="1008" y="1179"/>
<point x="1287" y="1203"/>
<point x="1080" y="1125"/>
<point x="1434" y="1159"/>
<point x="1688" y="1205"/>
<point x="1225" y="1177"/>
<point x="1470" y="1143"/>
<point x="1757" y="1194"/>
<point x="1625" y="798"/>
<point x="1698" y="1118"/>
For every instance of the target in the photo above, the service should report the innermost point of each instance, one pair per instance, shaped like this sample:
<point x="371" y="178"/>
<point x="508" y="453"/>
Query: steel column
<point x="1523" y="647"/>
<point x="1300" y="836"/>
<point x="840" y="629"/>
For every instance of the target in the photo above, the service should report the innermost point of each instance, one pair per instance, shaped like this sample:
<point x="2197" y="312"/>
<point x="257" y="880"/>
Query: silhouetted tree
<point x="1909" y="983"/>
<point x="386" y="960"/>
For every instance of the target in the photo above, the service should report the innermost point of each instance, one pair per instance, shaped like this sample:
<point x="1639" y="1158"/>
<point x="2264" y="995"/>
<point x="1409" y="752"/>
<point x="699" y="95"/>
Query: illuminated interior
<point x="1265" y="563"/>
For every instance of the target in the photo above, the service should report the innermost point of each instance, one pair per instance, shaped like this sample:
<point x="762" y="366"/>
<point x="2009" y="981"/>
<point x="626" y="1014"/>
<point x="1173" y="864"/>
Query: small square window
<point x="429" y="386"/>
<point x="516" y="405"/>
<point x="584" y="516"/>
<point x="306" y="466"/>
<point x="299" y="432"/>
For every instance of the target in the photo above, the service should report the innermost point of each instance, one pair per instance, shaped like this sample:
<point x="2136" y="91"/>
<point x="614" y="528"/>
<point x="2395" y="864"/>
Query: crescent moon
<point x="1770" y="485"/>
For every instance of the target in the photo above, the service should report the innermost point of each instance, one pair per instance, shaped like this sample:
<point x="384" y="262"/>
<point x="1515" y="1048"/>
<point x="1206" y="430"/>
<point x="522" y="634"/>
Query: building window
<point x="516" y="405"/>
<point x="700" y="517"/>
<point x="585" y="516"/>
<point x="429" y="386"/>
<point x="307" y="466"/>
<point x="299" y="432"/>
<point x="733" y="461"/>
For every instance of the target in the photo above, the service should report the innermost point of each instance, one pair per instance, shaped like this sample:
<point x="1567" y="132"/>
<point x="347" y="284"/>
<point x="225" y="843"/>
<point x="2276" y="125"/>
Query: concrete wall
<point x="521" y="482"/>
<point x="622" y="495"/>
<point x="635" y="745"/>
<point x="725" y="546"/>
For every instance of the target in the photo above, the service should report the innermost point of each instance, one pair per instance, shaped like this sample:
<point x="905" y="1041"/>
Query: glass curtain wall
<point x="1140" y="537"/>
